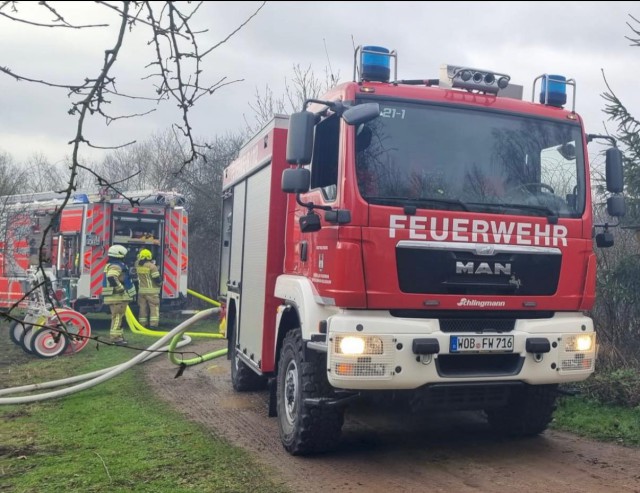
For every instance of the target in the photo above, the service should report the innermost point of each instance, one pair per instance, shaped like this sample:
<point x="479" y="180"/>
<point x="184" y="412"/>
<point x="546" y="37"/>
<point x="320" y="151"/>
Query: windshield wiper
<point x="552" y="216"/>
<point x="419" y="202"/>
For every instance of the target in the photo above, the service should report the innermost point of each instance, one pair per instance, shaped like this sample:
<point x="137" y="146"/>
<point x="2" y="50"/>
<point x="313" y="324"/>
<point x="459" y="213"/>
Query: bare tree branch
<point x="177" y="68"/>
<point x="66" y="24"/>
<point x="72" y="88"/>
<point x="235" y="31"/>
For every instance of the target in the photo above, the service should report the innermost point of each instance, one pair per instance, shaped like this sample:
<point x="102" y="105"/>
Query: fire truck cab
<point x="434" y="245"/>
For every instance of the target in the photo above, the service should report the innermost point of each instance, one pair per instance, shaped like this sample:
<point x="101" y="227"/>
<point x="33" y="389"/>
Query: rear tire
<point x="304" y="429"/>
<point x="243" y="378"/>
<point x="528" y="412"/>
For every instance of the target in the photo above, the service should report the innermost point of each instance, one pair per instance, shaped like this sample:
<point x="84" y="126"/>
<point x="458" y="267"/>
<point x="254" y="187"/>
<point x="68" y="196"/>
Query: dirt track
<point x="384" y="453"/>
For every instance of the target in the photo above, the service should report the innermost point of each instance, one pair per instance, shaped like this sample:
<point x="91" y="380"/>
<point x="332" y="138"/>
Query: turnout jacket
<point x="117" y="286"/>
<point x="149" y="280"/>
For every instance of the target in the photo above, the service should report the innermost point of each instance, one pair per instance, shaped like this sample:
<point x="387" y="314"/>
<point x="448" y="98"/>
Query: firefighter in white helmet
<point x="149" y="284"/>
<point x="117" y="291"/>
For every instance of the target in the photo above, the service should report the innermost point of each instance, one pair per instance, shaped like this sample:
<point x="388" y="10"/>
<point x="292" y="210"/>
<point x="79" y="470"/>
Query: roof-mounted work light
<point x="473" y="79"/>
<point x="374" y="63"/>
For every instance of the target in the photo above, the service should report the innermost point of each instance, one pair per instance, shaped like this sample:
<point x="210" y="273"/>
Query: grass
<point x="591" y="419"/>
<point x="114" y="437"/>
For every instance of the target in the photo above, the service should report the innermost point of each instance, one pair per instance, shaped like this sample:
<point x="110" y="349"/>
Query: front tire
<point x="303" y="429"/>
<point x="528" y="412"/>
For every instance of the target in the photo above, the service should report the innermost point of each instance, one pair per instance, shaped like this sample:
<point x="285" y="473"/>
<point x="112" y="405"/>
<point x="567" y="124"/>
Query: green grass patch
<point x="591" y="419"/>
<point x="114" y="437"/>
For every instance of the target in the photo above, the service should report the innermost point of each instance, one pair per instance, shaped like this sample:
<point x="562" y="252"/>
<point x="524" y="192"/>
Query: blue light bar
<point x="554" y="90"/>
<point x="375" y="67"/>
<point x="80" y="198"/>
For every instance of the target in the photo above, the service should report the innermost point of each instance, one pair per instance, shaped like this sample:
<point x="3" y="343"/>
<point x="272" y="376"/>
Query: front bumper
<point x="406" y="353"/>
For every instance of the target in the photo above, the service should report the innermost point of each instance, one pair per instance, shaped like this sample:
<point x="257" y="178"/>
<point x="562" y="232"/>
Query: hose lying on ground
<point x="106" y="374"/>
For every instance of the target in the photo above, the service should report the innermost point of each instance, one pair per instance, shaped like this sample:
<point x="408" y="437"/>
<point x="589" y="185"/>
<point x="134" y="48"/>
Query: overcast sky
<point x="522" y="39"/>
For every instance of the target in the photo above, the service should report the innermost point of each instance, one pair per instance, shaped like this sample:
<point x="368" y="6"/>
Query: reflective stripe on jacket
<point x="148" y="277"/>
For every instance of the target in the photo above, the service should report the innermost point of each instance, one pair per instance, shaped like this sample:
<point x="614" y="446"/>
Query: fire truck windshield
<point x="438" y="157"/>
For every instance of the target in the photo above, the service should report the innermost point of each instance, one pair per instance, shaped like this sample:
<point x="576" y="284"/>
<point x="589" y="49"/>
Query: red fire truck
<point x="434" y="247"/>
<point x="75" y="248"/>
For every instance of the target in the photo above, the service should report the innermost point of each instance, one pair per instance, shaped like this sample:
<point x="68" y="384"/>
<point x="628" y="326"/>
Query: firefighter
<point x="149" y="283"/>
<point x="117" y="291"/>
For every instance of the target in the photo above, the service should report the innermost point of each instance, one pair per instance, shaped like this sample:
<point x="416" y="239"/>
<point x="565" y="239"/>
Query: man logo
<point x="496" y="269"/>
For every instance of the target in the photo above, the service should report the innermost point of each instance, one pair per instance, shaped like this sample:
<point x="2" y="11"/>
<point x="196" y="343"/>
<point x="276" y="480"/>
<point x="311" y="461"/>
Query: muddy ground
<point x="393" y="452"/>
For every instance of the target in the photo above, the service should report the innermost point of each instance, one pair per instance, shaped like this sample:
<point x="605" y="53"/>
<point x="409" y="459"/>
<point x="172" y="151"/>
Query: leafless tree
<point x="12" y="177"/>
<point x="154" y="162"/>
<point x="176" y="72"/>
<point x="302" y="85"/>
<point x="202" y="184"/>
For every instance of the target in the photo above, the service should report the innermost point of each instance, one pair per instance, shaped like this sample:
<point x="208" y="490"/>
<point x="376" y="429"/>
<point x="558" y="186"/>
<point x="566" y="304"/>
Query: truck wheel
<point x="243" y="378"/>
<point x="528" y="412"/>
<point x="304" y="429"/>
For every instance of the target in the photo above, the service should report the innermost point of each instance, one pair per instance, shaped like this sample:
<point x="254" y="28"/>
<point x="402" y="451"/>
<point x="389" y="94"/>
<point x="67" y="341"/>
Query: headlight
<point x="352" y="345"/>
<point x="356" y="345"/>
<point x="583" y="342"/>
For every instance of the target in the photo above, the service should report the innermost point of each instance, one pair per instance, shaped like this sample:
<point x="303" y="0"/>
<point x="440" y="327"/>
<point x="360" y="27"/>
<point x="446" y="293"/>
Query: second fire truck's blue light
<point x="80" y="198"/>
<point x="554" y="90"/>
<point x="376" y="63"/>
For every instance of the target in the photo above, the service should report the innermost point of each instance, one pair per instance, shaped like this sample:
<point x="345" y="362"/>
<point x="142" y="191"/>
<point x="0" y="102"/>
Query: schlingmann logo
<point x="480" y="304"/>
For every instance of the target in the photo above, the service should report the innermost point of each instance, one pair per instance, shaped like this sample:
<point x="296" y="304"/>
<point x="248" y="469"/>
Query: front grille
<point x="478" y="365"/>
<point x="435" y="271"/>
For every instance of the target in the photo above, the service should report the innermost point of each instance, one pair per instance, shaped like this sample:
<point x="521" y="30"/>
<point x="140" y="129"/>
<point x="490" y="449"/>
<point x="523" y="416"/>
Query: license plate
<point x="481" y="344"/>
<point x="92" y="240"/>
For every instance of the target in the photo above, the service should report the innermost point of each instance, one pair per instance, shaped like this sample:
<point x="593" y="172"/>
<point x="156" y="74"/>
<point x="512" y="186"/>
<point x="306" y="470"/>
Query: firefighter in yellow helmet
<point x="117" y="291"/>
<point x="149" y="284"/>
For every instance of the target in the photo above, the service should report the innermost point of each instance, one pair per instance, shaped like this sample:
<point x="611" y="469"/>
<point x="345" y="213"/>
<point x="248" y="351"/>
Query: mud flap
<point x="273" y="398"/>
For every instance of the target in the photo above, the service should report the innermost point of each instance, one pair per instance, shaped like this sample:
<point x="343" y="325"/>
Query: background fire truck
<point x="75" y="249"/>
<point x="438" y="253"/>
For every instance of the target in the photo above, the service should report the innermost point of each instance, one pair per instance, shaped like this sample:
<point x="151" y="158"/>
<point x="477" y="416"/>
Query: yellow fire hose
<point x="138" y="328"/>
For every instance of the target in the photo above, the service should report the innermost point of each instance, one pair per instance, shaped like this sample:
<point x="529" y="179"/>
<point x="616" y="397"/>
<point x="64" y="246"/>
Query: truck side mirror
<point x="296" y="180"/>
<point x="604" y="240"/>
<point x="361" y="113"/>
<point x="300" y="138"/>
<point x="616" y="206"/>
<point x="310" y="223"/>
<point x="614" y="171"/>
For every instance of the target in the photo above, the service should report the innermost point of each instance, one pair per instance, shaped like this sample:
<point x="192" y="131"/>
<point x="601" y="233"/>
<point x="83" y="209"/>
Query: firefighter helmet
<point x="145" y="254"/>
<point x="117" y="251"/>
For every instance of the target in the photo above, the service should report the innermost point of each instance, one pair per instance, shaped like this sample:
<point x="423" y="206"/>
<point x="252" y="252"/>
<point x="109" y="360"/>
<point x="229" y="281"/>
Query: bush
<point x="617" y="387"/>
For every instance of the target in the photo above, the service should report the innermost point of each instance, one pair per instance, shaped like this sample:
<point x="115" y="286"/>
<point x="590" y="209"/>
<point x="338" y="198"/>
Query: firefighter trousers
<point x="149" y="307"/>
<point x="118" y="311"/>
